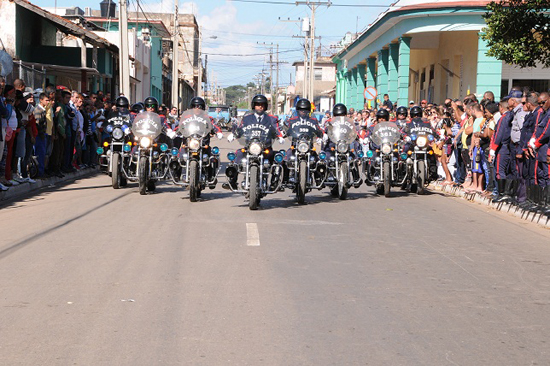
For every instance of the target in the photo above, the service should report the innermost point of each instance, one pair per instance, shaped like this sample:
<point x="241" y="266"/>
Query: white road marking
<point x="252" y="235"/>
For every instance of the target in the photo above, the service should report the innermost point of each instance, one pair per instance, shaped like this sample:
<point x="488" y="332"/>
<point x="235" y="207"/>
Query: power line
<point x="245" y="55"/>
<point x="294" y="4"/>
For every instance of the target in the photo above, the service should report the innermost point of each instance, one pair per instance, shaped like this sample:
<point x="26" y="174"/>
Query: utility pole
<point x="175" y="60"/>
<point x="313" y="5"/>
<point x="124" y="58"/>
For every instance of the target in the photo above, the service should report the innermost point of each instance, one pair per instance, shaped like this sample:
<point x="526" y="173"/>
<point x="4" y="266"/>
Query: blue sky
<point x="239" y="26"/>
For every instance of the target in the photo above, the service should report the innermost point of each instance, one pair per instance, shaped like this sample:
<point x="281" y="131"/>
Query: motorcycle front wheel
<point x="143" y="174"/>
<point x="421" y="178"/>
<point x="115" y="177"/>
<point x="342" y="181"/>
<point x="193" y="180"/>
<point x="302" y="182"/>
<point x="387" y="178"/>
<point x="254" y="190"/>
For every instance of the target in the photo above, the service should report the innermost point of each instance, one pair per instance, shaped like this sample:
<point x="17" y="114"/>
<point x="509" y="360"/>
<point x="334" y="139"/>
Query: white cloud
<point x="167" y="6"/>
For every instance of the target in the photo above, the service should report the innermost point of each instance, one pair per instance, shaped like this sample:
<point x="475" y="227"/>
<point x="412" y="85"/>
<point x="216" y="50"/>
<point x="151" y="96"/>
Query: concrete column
<point x="403" y="71"/>
<point x="393" y="63"/>
<point x="489" y="71"/>
<point x="338" y="87"/>
<point x="361" y="70"/>
<point x="382" y="74"/>
<point x="348" y="89"/>
<point x="353" y="85"/>
<point x="371" y="74"/>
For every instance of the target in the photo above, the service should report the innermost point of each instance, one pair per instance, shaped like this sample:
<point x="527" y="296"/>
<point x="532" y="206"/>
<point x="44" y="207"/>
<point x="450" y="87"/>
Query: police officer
<point x="402" y="114"/>
<point x="518" y="185"/>
<point x="303" y="109"/>
<point x="340" y="110"/>
<point x="538" y="146"/>
<point x="500" y="152"/>
<point x="259" y="105"/>
<point x="534" y="113"/>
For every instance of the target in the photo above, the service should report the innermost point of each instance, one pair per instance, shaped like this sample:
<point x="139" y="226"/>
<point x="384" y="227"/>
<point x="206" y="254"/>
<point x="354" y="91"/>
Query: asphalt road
<point x="95" y="276"/>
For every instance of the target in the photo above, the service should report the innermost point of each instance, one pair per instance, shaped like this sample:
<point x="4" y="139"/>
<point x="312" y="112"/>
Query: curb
<point x="26" y="188"/>
<point x="539" y="219"/>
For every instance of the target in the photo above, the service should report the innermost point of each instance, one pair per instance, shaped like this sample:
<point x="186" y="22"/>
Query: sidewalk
<point x="25" y="188"/>
<point x="504" y="207"/>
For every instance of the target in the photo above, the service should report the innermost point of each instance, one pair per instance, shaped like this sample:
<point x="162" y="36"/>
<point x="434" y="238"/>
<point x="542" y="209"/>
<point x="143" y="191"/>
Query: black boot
<point x="536" y="193"/>
<point x="512" y="193"/>
<point x="545" y="202"/>
<point x="525" y="205"/>
<point x="501" y="185"/>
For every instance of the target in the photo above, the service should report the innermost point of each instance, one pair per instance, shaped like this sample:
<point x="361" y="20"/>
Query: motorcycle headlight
<point x="360" y="154"/>
<point x="322" y="155"/>
<point x="194" y="144"/>
<point x="231" y="156"/>
<point x="174" y="151"/>
<point x="386" y="149"/>
<point x="215" y="150"/>
<point x="255" y="148"/>
<point x="163" y="147"/>
<point x="342" y="147"/>
<point x="109" y="128"/>
<point x="421" y="141"/>
<point x="278" y="158"/>
<point x="118" y="134"/>
<point x="145" y="142"/>
<point x="303" y="147"/>
<point x="127" y="148"/>
<point x="99" y="151"/>
<point x="370" y="154"/>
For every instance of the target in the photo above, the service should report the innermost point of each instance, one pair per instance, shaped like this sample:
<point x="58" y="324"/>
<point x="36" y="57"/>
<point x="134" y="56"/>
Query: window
<point x="318" y="73"/>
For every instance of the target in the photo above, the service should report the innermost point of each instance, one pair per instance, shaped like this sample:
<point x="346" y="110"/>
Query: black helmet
<point x="137" y="108"/>
<point x="259" y="99"/>
<point x="402" y="110"/>
<point x="416" y="111"/>
<point x="339" y="110"/>
<point x="303" y="104"/>
<point x="151" y="102"/>
<point x="383" y="114"/>
<point x="197" y="102"/>
<point x="122" y="102"/>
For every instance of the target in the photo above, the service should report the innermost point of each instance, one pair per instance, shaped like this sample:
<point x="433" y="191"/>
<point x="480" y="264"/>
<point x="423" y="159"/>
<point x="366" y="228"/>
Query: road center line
<point x="252" y="235"/>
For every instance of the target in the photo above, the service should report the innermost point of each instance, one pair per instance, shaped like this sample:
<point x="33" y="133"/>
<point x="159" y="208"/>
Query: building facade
<point x="431" y="51"/>
<point x="324" y="82"/>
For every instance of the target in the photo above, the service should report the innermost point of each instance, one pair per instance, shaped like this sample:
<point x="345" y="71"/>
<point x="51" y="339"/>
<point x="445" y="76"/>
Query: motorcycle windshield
<point x="258" y="132"/>
<point x="385" y="133"/>
<point x="195" y="122"/>
<point x="147" y="124"/>
<point x="302" y="129"/>
<point x="342" y="129"/>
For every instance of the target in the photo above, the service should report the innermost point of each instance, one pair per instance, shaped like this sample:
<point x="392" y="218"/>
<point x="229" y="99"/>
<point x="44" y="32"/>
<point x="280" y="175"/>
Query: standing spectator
<point x="387" y="103"/>
<point x="71" y="125"/>
<point x="534" y="113"/>
<point x="29" y="128"/>
<point x="516" y="106"/>
<point x="12" y="123"/>
<point x="42" y="136"/>
<point x="485" y="135"/>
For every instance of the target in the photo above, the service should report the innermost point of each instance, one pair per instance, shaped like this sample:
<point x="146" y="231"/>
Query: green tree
<point x="518" y="31"/>
<point x="234" y="94"/>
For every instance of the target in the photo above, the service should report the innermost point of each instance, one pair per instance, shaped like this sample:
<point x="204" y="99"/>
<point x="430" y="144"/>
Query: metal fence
<point x="33" y="78"/>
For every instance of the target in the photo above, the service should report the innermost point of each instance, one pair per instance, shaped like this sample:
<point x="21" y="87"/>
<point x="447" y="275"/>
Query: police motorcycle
<point x="118" y="155"/>
<point x="384" y="166"/>
<point x="305" y="170"/>
<point x="421" y="162"/>
<point x="256" y="141"/>
<point x="195" y="165"/>
<point x="149" y="157"/>
<point x="342" y="132"/>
